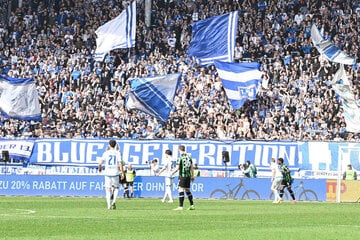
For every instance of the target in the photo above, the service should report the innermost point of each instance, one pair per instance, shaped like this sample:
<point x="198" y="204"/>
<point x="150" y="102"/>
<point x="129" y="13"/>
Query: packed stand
<point x="54" y="42"/>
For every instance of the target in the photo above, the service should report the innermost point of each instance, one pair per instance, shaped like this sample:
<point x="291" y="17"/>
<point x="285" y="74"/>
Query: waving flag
<point x="117" y="33"/>
<point x="19" y="98"/>
<point x="241" y="81"/>
<point x="214" y="39"/>
<point x="329" y="50"/>
<point x="342" y="87"/>
<point x="154" y="95"/>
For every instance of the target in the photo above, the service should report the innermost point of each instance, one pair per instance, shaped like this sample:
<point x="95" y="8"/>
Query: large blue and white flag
<point x="117" y="33"/>
<point x="214" y="39"/>
<point x="241" y="81"/>
<point x="19" y="98"/>
<point x="154" y="95"/>
<point x="341" y="86"/>
<point x="328" y="49"/>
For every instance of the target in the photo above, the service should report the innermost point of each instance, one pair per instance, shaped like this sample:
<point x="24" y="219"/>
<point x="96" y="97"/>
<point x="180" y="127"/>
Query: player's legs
<point x="274" y="188"/>
<point x="288" y="186"/>
<point x="108" y="186"/>
<point x="131" y="188"/>
<point x="186" y="187"/>
<point x="168" y="183"/>
<point x="126" y="190"/>
<point x="123" y="183"/>
<point x="282" y="186"/>
<point x="115" y="185"/>
<point x="165" y="194"/>
<point x="181" y="196"/>
<point x="190" y="196"/>
<point x="181" y="192"/>
<point x="169" y="194"/>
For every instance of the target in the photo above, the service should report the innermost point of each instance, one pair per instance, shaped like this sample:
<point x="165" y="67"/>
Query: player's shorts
<point x="130" y="183"/>
<point x="122" y="181"/>
<point x="111" y="181"/>
<point x="184" y="183"/>
<point x="286" y="183"/>
<point x="169" y="181"/>
<point x="276" y="183"/>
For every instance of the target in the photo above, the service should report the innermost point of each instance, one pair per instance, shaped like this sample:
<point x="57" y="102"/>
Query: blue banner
<point x="81" y="152"/>
<point x="154" y="187"/>
<point x="18" y="149"/>
<point x="326" y="156"/>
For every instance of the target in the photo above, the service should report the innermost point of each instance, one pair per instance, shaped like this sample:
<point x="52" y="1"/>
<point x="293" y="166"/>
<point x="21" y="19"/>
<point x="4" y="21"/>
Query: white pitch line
<point x="16" y="212"/>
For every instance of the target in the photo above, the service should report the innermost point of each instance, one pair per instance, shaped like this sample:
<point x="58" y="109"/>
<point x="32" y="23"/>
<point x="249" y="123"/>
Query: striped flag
<point x="329" y="50"/>
<point x="214" y="39"/>
<point x="117" y="33"/>
<point x="154" y="95"/>
<point x="341" y="86"/>
<point x="19" y="98"/>
<point x="241" y="81"/>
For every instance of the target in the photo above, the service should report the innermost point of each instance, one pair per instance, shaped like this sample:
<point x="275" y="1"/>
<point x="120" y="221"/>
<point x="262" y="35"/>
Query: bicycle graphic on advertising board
<point x="241" y="192"/>
<point x="232" y="193"/>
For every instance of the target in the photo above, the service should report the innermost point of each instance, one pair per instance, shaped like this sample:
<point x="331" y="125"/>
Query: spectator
<point x="55" y="47"/>
<point x="154" y="167"/>
<point x="249" y="169"/>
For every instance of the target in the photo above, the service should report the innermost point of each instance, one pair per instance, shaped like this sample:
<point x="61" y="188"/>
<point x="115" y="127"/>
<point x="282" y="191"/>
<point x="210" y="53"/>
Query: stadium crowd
<point x="54" y="41"/>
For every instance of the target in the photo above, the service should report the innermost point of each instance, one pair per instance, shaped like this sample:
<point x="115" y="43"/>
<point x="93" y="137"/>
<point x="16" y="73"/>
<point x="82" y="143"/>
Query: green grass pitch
<point x="88" y="218"/>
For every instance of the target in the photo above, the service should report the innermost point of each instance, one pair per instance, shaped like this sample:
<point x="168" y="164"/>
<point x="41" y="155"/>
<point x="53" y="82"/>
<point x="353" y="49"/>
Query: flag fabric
<point x="19" y="98"/>
<point x="329" y="50"/>
<point x="117" y="33"/>
<point x="154" y="95"/>
<point x="241" y="81"/>
<point x="214" y="39"/>
<point x="342" y="87"/>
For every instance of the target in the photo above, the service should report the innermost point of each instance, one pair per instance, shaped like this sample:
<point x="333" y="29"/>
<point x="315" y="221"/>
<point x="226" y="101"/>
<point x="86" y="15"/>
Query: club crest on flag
<point x="248" y="92"/>
<point x="241" y="81"/>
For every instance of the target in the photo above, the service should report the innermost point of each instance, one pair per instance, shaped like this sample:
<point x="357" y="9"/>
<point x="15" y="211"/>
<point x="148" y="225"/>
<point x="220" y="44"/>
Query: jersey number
<point x="111" y="160"/>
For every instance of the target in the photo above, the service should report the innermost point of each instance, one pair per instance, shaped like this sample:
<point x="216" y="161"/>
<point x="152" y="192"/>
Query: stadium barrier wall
<point x="349" y="191"/>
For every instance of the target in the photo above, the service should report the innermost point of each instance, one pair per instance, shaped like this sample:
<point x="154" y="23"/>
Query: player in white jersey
<point x="169" y="165"/>
<point x="112" y="162"/>
<point x="276" y="178"/>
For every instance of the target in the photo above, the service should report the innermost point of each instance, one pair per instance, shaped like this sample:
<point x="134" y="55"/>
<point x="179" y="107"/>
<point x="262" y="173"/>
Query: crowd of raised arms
<point x="54" y="41"/>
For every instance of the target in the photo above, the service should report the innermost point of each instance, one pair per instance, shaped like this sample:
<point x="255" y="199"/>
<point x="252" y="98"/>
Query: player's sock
<point x="281" y="193"/>
<point x="108" y="200"/>
<point x="276" y="194"/>
<point x="115" y="194"/>
<point x="190" y="197"/>
<point x="181" y="198"/>
<point x="291" y="193"/>
<point x="125" y="191"/>
<point x="168" y="193"/>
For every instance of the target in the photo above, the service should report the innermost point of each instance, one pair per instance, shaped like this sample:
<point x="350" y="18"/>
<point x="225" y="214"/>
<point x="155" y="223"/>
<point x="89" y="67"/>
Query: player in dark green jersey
<point x="185" y="167"/>
<point x="286" y="181"/>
